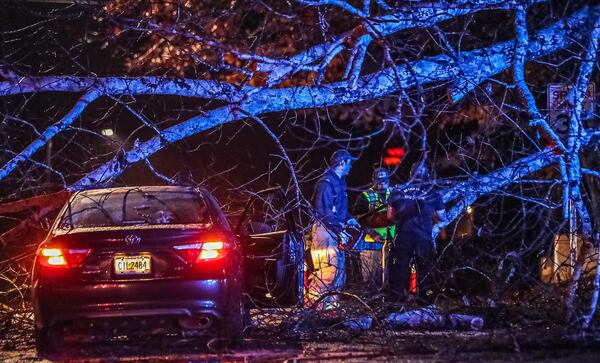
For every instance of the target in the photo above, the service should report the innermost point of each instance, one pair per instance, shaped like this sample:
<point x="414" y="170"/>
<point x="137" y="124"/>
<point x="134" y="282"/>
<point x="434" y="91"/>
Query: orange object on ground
<point x="412" y="287"/>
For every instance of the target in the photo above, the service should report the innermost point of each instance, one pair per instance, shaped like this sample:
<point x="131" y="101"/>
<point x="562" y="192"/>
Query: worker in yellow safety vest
<point x="372" y="205"/>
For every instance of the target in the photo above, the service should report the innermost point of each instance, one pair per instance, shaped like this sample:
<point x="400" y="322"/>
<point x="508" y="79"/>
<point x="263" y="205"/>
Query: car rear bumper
<point x="220" y="299"/>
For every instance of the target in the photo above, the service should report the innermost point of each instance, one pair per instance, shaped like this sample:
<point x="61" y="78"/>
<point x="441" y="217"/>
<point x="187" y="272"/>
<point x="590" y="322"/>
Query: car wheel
<point x="46" y="341"/>
<point x="233" y="329"/>
<point x="236" y="334"/>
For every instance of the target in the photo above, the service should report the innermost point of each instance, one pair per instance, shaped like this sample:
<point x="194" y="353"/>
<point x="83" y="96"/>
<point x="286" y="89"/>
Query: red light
<point x="209" y="255"/>
<point x="394" y="156"/>
<point x="395" y="151"/>
<point x="212" y="245"/>
<point x="389" y="161"/>
<point x="76" y="256"/>
<point x="197" y="252"/>
<point x="51" y="252"/>
<point x="60" y="257"/>
<point x="189" y="252"/>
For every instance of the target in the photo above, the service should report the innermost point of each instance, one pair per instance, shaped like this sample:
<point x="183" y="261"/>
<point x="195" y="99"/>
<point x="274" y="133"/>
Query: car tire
<point x="233" y="329"/>
<point x="46" y="341"/>
<point x="236" y="335"/>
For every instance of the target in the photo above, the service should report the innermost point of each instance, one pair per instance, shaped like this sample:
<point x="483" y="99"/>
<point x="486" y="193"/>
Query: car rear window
<point x="135" y="207"/>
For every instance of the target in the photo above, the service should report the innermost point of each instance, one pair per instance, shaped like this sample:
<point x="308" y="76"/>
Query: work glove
<point x="343" y="238"/>
<point x="353" y="222"/>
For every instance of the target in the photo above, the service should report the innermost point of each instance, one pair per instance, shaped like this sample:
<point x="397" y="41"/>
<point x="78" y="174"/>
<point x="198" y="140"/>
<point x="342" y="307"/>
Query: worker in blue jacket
<point x="413" y="209"/>
<point x="327" y="234"/>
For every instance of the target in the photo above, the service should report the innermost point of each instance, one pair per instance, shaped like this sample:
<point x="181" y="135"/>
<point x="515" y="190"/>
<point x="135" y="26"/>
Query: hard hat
<point x="380" y="175"/>
<point x="340" y="155"/>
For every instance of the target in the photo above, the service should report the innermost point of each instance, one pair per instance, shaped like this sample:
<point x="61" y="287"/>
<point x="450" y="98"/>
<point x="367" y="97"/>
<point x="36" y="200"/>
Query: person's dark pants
<point x="402" y="251"/>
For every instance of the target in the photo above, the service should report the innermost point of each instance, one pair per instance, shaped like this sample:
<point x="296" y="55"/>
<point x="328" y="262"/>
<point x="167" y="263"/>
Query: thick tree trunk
<point x="42" y="206"/>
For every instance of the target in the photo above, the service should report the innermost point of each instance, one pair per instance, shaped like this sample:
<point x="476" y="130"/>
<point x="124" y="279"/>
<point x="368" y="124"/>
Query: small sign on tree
<point x="559" y="108"/>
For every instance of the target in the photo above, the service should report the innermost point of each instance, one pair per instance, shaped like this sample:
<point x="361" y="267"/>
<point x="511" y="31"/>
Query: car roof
<point x="145" y="188"/>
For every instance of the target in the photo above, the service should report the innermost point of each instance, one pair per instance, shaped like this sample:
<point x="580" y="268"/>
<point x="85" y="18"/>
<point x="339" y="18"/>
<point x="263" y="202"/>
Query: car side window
<point x="266" y="214"/>
<point x="217" y="210"/>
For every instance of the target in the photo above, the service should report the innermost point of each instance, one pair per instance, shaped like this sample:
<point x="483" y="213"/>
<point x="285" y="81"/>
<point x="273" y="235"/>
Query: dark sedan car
<point x="146" y="260"/>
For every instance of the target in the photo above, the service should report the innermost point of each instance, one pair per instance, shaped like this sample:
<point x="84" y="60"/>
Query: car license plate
<point x="132" y="265"/>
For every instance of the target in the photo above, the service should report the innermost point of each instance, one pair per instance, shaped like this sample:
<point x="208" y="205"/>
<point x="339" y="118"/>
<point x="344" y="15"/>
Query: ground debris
<point x="270" y="337"/>
<point x="359" y="323"/>
<point x="432" y="317"/>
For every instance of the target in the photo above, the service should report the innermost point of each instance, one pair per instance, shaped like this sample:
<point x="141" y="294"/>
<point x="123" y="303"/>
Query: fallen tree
<point x="356" y="64"/>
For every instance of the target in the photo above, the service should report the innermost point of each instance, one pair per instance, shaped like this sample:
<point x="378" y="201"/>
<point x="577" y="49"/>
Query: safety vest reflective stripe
<point x="373" y="197"/>
<point x="383" y="231"/>
<point x="375" y="202"/>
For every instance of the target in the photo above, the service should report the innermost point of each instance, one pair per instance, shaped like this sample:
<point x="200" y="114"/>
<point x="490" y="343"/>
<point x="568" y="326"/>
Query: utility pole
<point x="572" y="237"/>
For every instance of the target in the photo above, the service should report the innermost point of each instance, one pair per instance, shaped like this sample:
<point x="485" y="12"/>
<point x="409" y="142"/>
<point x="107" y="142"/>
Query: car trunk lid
<point x="123" y="254"/>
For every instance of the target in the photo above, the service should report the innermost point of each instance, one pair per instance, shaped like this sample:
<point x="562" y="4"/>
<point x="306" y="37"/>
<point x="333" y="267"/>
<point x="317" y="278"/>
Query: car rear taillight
<point x="62" y="257"/>
<point x="202" y="251"/>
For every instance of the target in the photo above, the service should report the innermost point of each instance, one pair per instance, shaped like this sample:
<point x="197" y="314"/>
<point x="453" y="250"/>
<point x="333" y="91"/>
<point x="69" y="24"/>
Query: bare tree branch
<point x="50" y="132"/>
<point x="429" y="70"/>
